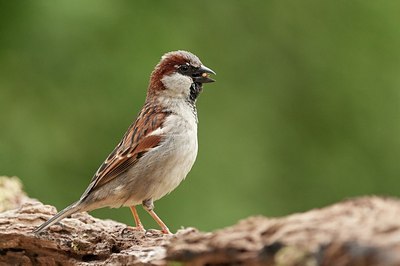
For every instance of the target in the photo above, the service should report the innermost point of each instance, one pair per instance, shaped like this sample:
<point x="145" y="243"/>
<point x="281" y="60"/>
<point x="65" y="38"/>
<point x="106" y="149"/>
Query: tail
<point x="71" y="209"/>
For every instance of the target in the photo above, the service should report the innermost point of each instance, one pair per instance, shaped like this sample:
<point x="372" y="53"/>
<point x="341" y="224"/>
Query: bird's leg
<point x="138" y="223"/>
<point x="149" y="206"/>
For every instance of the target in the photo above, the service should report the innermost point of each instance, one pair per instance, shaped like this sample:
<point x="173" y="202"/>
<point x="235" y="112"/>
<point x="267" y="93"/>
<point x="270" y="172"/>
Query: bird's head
<point x="179" y="74"/>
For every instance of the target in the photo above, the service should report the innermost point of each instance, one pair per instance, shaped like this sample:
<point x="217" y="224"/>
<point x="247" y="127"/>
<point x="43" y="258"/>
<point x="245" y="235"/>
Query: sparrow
<point x="159" y="148"/>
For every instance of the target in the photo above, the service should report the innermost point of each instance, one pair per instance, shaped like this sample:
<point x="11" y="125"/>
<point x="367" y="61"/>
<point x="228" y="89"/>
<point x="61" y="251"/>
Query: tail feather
<point x="71" y="209"/>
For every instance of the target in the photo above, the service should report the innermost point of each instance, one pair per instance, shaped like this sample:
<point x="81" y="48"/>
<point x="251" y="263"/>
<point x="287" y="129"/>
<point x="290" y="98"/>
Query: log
<point x="79" y="240"/>
<point x="359" y="231"/>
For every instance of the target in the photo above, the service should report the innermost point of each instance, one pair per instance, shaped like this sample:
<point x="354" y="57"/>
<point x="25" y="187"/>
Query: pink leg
<point x="138" y="223"/>
<point x="164" y="228"/>
<point x="149" y="206"/>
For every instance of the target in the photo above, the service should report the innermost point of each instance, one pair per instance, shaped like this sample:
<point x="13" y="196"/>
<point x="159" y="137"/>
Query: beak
<point x="201" y="75"/>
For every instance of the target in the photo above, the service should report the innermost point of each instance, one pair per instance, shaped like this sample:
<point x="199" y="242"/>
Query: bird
<point x="157" y="151"/>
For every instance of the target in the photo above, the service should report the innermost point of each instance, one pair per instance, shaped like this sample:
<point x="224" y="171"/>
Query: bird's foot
<point x="166" y="231"/>
<point x="156" y="232"/>
<point x="139" y="228"/>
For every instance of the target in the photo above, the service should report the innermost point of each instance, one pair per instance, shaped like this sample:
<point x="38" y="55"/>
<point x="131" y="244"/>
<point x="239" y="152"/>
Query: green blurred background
<point x="305" y="111"/>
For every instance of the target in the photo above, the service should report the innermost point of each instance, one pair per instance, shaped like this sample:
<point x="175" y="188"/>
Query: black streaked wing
<point x="135" y="143"/>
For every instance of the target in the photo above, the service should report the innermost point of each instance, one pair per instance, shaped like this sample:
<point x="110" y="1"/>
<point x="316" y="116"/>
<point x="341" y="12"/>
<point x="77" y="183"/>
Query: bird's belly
<point x="162" y="169"/>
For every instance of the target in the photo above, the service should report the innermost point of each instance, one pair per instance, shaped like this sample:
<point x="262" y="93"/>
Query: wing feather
<point x="137" y="141"/>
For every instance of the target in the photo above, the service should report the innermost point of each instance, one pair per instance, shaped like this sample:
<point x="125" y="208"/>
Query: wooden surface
<point x="361" y="231"/>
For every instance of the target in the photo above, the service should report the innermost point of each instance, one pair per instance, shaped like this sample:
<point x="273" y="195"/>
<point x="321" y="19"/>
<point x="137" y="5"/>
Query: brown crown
<point x="168" y="65"/>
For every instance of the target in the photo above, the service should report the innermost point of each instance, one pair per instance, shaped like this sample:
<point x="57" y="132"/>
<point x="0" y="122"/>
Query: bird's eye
<point x="184" y="68"/>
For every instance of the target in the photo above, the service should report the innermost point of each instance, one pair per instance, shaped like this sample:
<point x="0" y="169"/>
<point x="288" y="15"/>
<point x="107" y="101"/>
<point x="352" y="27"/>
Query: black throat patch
<point x="195" y="90"/>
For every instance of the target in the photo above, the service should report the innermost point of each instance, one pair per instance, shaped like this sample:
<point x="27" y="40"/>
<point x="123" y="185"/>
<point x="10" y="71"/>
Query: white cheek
<point x="177" y="84"/>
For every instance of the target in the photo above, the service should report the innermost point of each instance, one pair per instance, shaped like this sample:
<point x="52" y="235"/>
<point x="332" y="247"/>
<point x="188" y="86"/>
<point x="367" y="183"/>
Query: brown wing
<point x="135" y="143"/>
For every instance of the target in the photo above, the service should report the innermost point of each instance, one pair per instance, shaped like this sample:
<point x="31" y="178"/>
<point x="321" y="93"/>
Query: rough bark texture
<point x="11" y="193"/>
<point x="361" y="231"/>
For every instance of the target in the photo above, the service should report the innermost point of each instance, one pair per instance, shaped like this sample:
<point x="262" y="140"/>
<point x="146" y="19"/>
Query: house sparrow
<point x="159" y="148"/>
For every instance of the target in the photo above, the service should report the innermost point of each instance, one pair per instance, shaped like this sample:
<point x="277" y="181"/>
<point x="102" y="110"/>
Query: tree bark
<point x="360" y="231"/>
